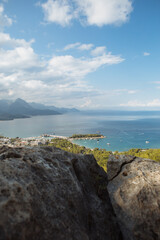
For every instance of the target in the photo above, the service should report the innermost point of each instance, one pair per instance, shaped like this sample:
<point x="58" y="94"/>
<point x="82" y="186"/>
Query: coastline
<point x="121" y="135"/>
<point x="46" y="139"/>
<point x="85" y="138"/>
<point x="43" y="139"/>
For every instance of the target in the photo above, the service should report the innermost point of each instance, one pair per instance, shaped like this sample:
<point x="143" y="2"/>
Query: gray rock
<point x="47" y="193"/>
<point x="134" y="189"/>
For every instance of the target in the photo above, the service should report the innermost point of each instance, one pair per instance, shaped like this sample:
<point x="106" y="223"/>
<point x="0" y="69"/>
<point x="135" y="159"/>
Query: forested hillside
<point x="101" y="155"/>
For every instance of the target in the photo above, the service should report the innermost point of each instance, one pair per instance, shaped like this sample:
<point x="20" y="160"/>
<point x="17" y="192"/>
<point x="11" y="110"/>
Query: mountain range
<point x="19" y="108"/>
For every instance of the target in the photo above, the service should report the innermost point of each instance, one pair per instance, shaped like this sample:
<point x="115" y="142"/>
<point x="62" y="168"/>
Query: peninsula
<point x="86" y="136"/>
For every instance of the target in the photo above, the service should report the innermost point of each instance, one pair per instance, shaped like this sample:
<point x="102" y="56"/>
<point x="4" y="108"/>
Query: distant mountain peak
<point x="20" y="108"/>
<point x="20" y="100"/>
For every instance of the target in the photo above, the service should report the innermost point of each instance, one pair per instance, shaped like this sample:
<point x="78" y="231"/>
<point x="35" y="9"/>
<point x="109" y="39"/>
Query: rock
<point x="47" y="193"/>
<point x="134" y="189"/>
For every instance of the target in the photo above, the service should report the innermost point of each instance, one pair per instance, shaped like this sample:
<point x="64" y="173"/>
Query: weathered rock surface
<point x="46" y="193"/>
<point x="134" y="189"/>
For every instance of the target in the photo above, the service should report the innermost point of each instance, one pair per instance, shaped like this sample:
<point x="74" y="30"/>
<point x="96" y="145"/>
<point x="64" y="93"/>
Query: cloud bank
<point x="61" y="77"/>
<point x="135" y="103"/>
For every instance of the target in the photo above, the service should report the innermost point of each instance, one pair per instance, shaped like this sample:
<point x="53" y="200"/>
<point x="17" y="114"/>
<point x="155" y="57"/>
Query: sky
<point x="86" y="54"/>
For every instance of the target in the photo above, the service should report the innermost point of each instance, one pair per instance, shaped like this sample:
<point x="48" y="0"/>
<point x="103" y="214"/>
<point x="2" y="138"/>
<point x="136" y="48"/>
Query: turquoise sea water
<point x="123" y="130"/>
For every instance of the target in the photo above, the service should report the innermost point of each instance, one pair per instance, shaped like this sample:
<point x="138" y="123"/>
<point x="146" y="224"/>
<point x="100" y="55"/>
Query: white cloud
<point x="62" y="78"/>
<point x="135" y="103"/>
<point x="103" y="12"/>
<point x="146" y="54"/>
<point x="132" y="91"/>
<point x="6" y="40"/>
<point x="18" y="58"/>
<point x="154" y="103"/>
<point x="92" y="12"/>
<point x="122" y="91"/>
<point x="57" y="11"/>
<point x="98" y="51"/>
<point x="4" y="19"/>
<point x="72" y="46"/>
<point x="17" y="54"/>
<point x="21" y="56"/>
<point x="34" y="84"/>
<point x="79" y="46"/>
<point x="69" y="66"/>
<point x="86" y="47"/>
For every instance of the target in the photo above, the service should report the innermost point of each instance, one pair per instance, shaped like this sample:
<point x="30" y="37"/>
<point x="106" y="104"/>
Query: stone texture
<point x="47" y="193"/>
<point x="134" y="189"/>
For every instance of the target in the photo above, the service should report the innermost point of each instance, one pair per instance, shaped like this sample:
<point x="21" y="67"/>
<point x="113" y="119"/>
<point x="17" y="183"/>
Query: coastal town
<point x="44" y="139"/>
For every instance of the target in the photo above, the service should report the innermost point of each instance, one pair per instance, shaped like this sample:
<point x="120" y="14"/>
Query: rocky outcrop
<point x="134" y="189"/>
<point x="47" y="193"/>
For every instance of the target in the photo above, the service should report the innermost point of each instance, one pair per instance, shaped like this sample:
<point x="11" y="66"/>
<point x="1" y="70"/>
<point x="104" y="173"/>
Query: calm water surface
<point x="123" y="130"/>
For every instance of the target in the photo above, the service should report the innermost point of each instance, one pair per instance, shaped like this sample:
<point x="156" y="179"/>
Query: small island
<point x="86" y="136"/>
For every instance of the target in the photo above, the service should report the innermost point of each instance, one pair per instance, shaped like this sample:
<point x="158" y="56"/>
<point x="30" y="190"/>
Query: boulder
<point x="134" y="189"/>
<point x="47" y="193"/>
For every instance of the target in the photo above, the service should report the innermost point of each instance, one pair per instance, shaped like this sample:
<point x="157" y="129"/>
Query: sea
<point x="123" y="129"/>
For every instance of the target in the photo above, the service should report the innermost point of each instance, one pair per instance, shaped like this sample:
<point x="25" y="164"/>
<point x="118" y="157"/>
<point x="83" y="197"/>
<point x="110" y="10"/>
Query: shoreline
<point x="44" y="139"/>
<point x="86" y="138"/>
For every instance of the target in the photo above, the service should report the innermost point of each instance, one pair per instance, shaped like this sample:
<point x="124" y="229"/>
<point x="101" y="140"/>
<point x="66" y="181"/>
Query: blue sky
<point x="87" y="54"/>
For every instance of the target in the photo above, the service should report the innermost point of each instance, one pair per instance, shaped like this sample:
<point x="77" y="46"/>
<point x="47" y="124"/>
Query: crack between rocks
<point x="123" y="164"/>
